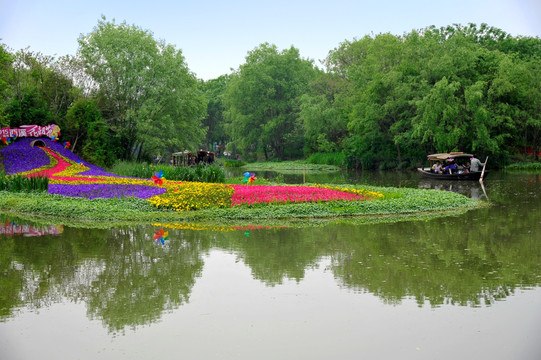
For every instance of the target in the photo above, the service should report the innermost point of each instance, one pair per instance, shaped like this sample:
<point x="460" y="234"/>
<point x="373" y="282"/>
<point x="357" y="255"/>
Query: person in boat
<point x="451" y="168"/>
<point x="476" y="164"/>
<point x="436" y="168"/>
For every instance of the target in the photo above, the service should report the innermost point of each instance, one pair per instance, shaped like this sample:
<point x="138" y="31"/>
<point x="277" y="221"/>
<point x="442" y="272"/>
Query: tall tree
<point x="215" y="120"/>
<point x="39" y="92"/>
<point x="148" y="95"/>
<point x="262" y="101"/>
<point x="324" y="121"/>
<point x="5" y="72"/>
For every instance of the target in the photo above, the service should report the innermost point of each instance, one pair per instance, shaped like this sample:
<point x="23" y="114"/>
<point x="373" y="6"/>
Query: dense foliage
<point x="200" y="173"/>
<point x="19" y="183"/>
<point x="383" y="101"/>
<point x="261" y="102"/>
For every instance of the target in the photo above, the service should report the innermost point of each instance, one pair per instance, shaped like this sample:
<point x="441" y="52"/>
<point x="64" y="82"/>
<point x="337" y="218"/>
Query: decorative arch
<point x="39" y="143"/>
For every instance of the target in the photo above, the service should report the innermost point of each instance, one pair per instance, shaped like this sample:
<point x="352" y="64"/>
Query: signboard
<point x="51" y="131"/>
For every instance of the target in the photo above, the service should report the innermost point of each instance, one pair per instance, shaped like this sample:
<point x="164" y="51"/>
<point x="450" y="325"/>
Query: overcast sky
<point x="215" y="36"/>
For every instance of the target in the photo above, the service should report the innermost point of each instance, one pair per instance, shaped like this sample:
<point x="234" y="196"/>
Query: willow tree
<point x="148" y="95"/>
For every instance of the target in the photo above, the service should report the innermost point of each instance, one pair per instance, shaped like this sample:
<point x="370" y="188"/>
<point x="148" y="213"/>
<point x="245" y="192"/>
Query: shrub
<point x="201" y="173"/>
<point x="19" y="183"/>
<point x="233" y="163"/>
<point x="337" y="158"/>
<point x="535" y="166"/>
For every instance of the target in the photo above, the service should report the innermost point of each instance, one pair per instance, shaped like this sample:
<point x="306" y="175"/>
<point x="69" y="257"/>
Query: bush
<point x="337" y="159"/>
<point x="233" y="163"/>
<point x="535" y="166"/>
<point x="201" y="173"/>
<point x="19" y="183"/>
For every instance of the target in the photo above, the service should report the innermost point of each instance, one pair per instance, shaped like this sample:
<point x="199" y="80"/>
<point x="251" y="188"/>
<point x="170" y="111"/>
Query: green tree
<point x="147" y="94"/>
<point x="262" y="101"/>
<point x="5" y="72"/>
<point x="215" y="120"/>
<point x="437" y="89"/>
<point x="323" y="120"/>
<point x="88" y="132"/>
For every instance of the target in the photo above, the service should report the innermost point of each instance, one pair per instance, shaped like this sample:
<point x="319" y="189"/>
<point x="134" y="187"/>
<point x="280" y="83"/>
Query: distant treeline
<point x="381" y="101"/>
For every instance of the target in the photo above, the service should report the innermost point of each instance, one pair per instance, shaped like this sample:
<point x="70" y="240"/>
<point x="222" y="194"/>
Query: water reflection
<point x="11" y="228"/>
<point x="471" y="189"/>
<point x="343" y="176"/>
<point x="126" y="279"/>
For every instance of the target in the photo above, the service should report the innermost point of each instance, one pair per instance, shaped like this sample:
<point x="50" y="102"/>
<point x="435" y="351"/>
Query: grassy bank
<point x="106" y="212"/>
<point x="290" y="165"/>
<point x="529" y="166"/>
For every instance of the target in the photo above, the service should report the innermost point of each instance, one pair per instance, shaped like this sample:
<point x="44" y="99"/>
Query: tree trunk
<point x="140" y="150"/>
<point x="74" y="143"/>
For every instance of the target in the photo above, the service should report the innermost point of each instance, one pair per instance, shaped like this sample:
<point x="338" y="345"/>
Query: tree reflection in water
<point x="127" y="280"/>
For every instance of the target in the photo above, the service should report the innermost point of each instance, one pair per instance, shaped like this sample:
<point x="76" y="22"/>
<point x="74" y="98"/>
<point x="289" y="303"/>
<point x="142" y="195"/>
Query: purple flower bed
<point x="21" y="157"/>
<point x="92" y="191"/>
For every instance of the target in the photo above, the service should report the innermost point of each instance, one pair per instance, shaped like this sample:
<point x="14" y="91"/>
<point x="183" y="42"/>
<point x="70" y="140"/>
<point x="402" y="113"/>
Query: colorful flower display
<point x="286" y="194"/>
<point x="70" y="176"/>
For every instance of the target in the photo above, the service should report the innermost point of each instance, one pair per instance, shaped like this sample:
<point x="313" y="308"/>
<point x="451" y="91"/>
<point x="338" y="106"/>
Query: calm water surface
<point x="465" y="286"/>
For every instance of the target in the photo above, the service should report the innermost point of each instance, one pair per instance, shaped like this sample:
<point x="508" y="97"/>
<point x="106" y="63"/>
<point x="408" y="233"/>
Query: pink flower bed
<point x="255" y="194"/>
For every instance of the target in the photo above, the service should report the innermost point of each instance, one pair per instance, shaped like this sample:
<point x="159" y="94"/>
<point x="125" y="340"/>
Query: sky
<point x="215" y="36"/>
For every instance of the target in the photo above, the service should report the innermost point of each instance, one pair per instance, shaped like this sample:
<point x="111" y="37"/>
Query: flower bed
<point x="92" y="191"/>
<point x="70" y="176"/>
<point x="256" y="194"/>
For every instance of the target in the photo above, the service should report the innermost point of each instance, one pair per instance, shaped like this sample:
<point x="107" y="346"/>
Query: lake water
<point x="466" y="286"/>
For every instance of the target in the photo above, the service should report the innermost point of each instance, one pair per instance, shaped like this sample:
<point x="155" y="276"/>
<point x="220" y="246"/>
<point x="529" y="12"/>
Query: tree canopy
<point x="381" y="101"/>
<point x="262" y="101"/>
<point x="145" y="88"/>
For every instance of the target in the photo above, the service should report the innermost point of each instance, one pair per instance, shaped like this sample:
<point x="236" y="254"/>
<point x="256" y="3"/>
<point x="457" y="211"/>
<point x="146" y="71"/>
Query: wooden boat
<point x="460" y="159"/>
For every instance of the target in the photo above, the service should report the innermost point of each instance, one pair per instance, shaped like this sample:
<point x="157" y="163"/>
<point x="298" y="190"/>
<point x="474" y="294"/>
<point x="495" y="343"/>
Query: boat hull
<point x="474" y="175"/>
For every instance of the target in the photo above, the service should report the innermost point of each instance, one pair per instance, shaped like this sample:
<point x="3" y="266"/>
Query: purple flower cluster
<point x="21" y="157"/>
<point x="91" y="191"/>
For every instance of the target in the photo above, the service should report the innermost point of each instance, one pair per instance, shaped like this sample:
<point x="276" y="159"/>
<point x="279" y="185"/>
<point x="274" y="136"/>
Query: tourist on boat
<point x="476" y="164"/>
<point x="436" y="168"/>
<point x="451" y="168"/>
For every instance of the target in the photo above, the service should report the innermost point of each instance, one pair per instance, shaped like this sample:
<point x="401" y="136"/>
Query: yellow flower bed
<point x="183" y="196"/>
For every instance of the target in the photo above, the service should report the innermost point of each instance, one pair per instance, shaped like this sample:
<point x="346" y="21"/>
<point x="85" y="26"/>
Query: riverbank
<point x="105" y="212"/>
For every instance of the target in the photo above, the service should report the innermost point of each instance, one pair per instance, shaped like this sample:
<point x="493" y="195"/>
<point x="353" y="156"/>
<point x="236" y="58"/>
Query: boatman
<point x="476" y="164"/>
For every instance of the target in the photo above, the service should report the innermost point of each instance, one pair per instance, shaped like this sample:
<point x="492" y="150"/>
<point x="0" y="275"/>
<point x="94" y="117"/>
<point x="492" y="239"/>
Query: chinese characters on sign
<point x="52" y="131"/>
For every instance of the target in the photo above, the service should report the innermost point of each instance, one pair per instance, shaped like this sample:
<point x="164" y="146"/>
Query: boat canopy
<point x="451" y="155"/>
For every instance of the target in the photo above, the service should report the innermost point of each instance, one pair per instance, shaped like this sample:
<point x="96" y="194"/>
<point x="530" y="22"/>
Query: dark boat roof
<point x="451" y="155"/>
